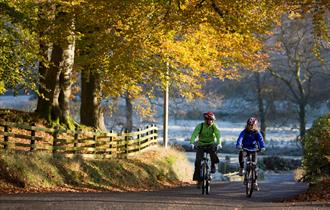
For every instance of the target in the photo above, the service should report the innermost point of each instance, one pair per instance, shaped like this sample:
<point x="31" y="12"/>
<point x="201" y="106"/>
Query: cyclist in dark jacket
<point x="209" y="140"/>
<point x="251" y="140"/>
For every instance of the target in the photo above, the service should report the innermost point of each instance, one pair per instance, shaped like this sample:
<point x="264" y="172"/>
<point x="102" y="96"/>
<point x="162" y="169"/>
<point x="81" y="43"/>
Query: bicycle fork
<point x="248" y="167"/>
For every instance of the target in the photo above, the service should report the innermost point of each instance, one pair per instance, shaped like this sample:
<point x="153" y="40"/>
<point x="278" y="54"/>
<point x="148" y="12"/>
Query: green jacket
<point x="206" y="136"/>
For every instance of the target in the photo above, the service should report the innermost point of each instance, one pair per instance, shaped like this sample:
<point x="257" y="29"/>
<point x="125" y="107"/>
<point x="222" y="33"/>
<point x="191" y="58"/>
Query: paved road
<point x="229" y="195"/>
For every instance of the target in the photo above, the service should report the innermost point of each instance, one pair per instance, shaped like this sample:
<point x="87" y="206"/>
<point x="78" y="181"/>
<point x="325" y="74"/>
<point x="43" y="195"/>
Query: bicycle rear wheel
<point x="249" y="182"/>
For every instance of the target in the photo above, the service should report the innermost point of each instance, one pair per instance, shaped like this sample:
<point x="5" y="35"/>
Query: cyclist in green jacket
<point x="208" y="140"/>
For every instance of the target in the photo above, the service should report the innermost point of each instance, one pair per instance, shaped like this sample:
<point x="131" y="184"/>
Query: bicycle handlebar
<point x="245" y="149"/>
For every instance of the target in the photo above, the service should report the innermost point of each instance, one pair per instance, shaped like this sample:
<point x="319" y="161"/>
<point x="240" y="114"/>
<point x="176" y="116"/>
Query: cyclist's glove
<point x="263" y="149"/>
<point x="192" y="146"/>
<point x="239" y="147"/>
<point x="219" y="146"/>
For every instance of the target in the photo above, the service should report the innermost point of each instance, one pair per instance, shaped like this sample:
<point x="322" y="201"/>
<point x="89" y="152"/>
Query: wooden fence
<point x="88" y="144"/>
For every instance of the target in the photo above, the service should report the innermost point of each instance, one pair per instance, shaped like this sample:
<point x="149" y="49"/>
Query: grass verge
<point x="152" y="169"/>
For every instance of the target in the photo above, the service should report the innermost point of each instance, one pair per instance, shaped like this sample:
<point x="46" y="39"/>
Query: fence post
<point x="156" y="136"/>
<point x="126" y="142"/>
<point x="147" y="133"/>
<point x="33" y="134"/>
<point x="94" y="139"/>
<point x="55" y="135"/>
<point x="110" y="140"/>
<point x="152" y="132"/>
<point x="75" y="141"/>
<point x="6" y="137"/>
<point x="138" y="138"/>
<point x="117" y="146"/>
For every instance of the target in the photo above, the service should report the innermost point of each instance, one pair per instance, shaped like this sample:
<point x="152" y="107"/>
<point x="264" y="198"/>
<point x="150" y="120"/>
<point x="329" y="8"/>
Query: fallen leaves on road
<point x="316" y="192"/>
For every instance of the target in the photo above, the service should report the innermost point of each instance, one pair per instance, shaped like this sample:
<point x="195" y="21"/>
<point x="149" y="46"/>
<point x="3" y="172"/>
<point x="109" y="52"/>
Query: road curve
<point x="226" y="195"/>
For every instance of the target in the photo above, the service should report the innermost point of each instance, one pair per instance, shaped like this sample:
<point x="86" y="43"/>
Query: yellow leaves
<point x="294" y="15"/>
<point x="2" y="87"/>
<point x="123" y="26"/>
<point x="206" y="51"/>
<point x="196" y="42"/>
<point x="70" y="3"/>
<point x="143" y="107"/>
<point x="77" y="2"/>
<point x="133" y="88"/>
<point x="119" y="24"/>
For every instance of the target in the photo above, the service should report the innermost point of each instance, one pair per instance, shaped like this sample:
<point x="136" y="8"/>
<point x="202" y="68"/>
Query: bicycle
<point x="205" y="174"/>
<point x="250" y="174"/>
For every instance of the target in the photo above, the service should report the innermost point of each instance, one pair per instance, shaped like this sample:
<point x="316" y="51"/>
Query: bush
<point x="276" y="163"/>
<point x="227" y="167"/>
<point x="316" y="144"/>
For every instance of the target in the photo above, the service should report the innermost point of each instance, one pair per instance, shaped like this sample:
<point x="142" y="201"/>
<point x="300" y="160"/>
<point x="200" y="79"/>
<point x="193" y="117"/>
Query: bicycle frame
<point x="250" y="173"/>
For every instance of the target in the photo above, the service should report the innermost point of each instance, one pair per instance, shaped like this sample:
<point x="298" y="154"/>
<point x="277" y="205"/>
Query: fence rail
<point x="89" y="144"/>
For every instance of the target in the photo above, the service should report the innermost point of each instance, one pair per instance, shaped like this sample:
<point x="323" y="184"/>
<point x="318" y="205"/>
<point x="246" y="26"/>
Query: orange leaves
<point x="206" y="51"/>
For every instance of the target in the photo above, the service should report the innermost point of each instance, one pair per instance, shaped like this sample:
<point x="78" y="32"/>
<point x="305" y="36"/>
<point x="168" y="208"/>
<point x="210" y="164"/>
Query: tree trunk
<point x="52" y="84"/>
<point x="55" y="84"/>
<point x="262" y="114"/>
<point x="129" y="113"/>
<point x="91" y="113"/>
<point x="43" y="102"/>
<point x="66" y="67"/>
<point x="302" y="118"/>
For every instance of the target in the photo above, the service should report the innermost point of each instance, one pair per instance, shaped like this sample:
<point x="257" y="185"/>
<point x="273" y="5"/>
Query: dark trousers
<point x="211" y="149"/>
<point x="241" y="160"/>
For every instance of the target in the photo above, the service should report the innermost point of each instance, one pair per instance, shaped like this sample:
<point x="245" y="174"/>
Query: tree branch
<point x="217" y="9"/>
<point x="199" y="5"/>
<point x="287" y="82"/>
<point x="299" y="81"/>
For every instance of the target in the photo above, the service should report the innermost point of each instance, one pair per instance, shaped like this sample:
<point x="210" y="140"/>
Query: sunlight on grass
<point x="152" y="169"/>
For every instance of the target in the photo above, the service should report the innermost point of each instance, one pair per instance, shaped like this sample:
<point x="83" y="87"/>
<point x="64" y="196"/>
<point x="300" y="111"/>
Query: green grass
<point x="152" y="169"/>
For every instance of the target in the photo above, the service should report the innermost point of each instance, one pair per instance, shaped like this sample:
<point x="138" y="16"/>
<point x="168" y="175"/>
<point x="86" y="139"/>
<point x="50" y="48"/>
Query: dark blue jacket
<point x="250" y="140"/>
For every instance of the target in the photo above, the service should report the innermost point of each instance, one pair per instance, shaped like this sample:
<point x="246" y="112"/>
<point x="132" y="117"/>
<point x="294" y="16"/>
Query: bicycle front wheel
<point x="249" y="182"/>
<point x="208" y="186"/>
<point x="204" y="178"/>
